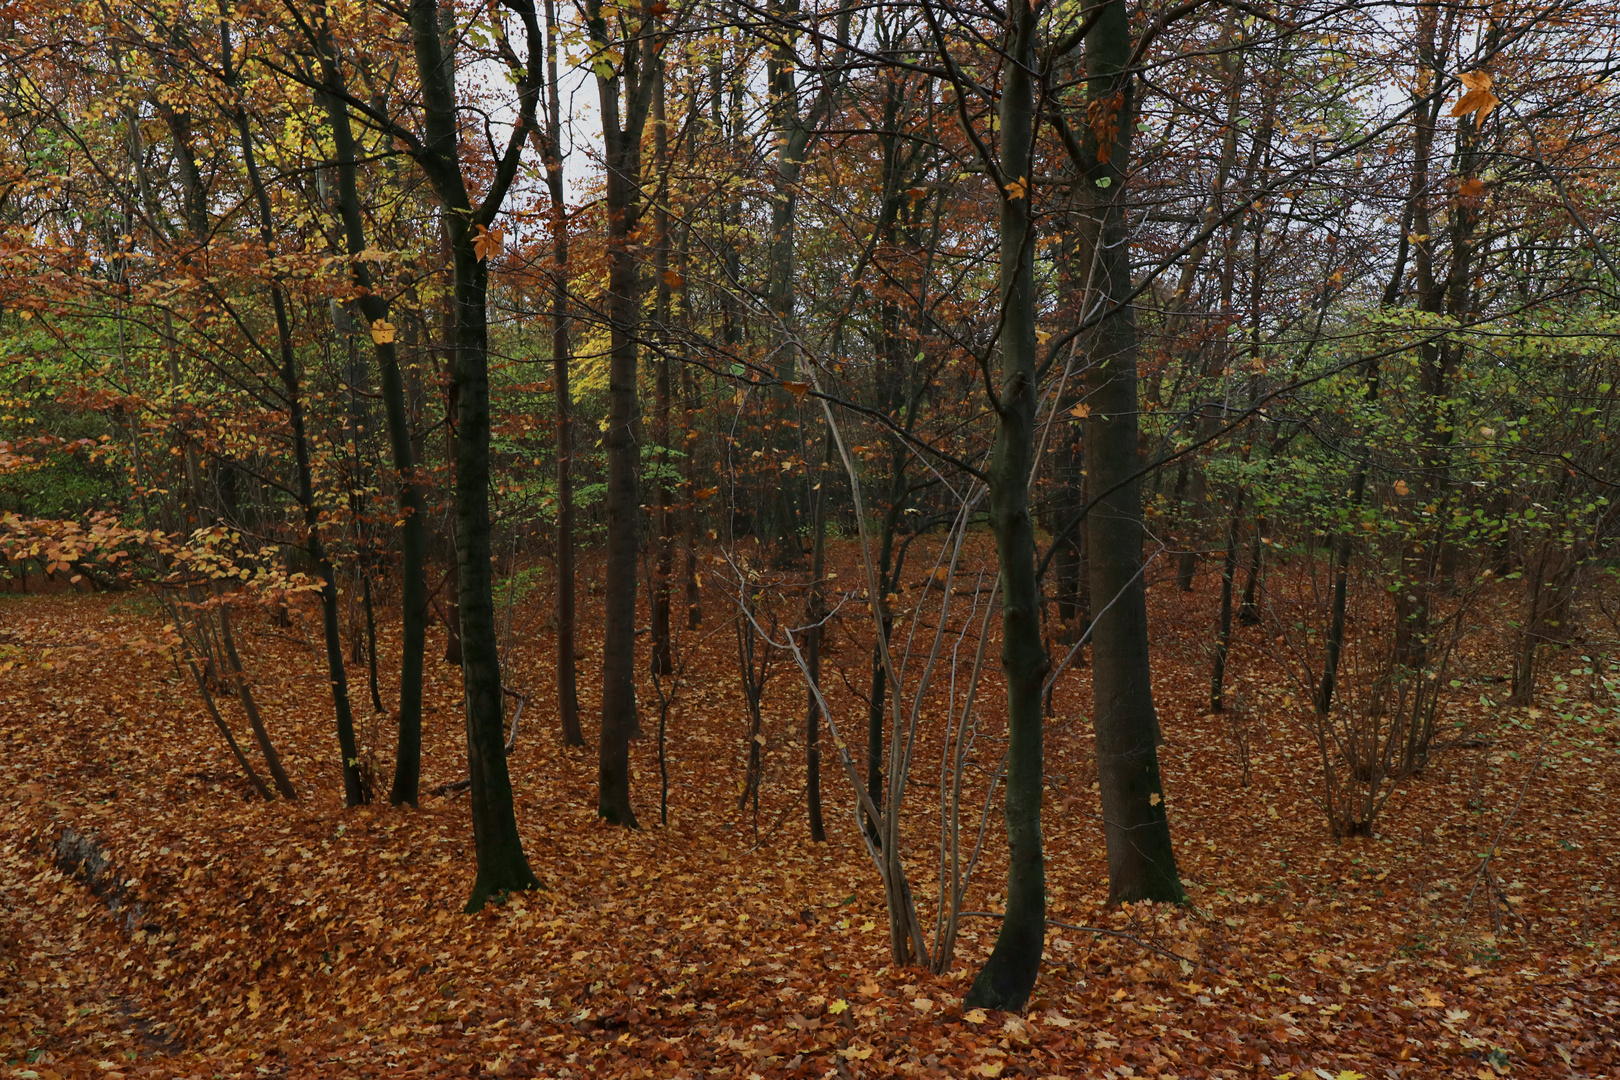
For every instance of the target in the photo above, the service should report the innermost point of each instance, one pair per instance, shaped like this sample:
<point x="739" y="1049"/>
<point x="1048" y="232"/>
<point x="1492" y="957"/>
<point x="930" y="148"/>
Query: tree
<point x="374" y="309"/>
<point x="1141" y="862"/>
<point x="502" y="866"/>
<point x="626" y="77"/>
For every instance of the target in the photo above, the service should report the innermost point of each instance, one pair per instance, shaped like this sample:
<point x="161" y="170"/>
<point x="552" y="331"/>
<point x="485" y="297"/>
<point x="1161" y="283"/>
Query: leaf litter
<point x="296" y="939"/>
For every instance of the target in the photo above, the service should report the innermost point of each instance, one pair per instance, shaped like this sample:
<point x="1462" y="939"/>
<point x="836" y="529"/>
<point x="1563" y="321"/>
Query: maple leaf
<point x="797" y="389"/>
<point x="1017" y="189"/>
<point x="382" y="332"/>
<point x="488" y="242"/>
<point x="1479" y="100"/>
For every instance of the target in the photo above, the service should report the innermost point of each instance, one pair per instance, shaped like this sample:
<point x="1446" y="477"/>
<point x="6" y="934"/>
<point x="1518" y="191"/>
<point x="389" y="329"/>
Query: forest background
<point x="1028" y="539"/>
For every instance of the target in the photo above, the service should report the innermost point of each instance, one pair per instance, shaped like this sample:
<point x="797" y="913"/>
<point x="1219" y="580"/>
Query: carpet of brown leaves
<point x="226" y="937"/>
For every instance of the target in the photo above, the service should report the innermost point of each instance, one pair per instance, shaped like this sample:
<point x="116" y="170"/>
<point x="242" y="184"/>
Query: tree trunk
<point x="244" y="694"/>
<point x="1141" y="861"/>
<point x="567" y="677"/>
<point x="354" y="787"/>
<point x="621" y="141"/>
<point x="1223" y="635"/>
<point x="412" y="504"/>
<point x="1009" y="974"/>
<point x="1249" y="609"/>
<point x="502" y="866"/>
<point x="815" y="612"/>
<point x="663" y="516"/>
<point x="1334" y="646"/>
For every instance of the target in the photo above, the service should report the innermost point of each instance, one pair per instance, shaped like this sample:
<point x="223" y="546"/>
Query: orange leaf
<point x="1479" y="100"/>
<point x="488" y="242"/>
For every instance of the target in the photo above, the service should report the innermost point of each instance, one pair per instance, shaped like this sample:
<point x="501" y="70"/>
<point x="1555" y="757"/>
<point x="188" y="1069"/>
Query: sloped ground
<point x="215" y="936"/>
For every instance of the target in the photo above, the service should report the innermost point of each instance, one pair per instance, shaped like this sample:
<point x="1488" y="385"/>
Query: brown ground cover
<point x="226" y="937"/>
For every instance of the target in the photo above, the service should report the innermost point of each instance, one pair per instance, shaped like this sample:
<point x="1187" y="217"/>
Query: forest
<point x="805" y="538"/>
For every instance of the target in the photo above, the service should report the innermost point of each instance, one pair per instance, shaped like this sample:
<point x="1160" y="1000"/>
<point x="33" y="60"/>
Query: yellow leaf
<point x="1017" y="189"/>
<point x="1080" y="411"/>
<point x="975" y="1016"/>
<point x="838" y="1006"/>
<point x="382" y="332"/>
<point x="1155" y="799"/>
<point x="1349" y="1074"/>
<point x="1479" y="100"/>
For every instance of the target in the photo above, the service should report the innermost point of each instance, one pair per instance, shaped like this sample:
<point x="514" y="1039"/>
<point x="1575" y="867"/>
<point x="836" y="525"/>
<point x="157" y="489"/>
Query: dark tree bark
<point x="625" y="94"/>
<point x="374" y="310"/>
<point x="244" y="694"/>
<point x="1223" y="632"/>
<point x="561" y="355"/>
<point x="663" y="513"/>
<point x="694" y="592"/>
<point x="355" y="791"/>
<point x="1009" y="974"/>
<point x="815" y="613"/>
<point x="1342" y="551"/>
<point x="877" y="696"/>
<point x="502" y="866"/>
<point x="1141" y="862"/>
<point x="1249" y="609"/>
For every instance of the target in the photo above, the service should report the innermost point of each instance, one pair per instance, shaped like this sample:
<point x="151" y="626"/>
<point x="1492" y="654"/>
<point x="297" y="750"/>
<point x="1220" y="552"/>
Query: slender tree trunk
<point x="502" y="866"/>
<point x="1141" y="861"/>
<point x="374" y="310"/>
<point x="1249" y="609"/>
<point x="1223" y="635"/>
<point x="694" y="593"/>
<point x="1334" y="645"/>
<point x="878" y="696"/>
<point x="567" y="680"/>
<point x="244" y="694"/>
<point x="663" y="517"/>
<point x="354" y="787"/>
<point x="1009" y="974"/>
<point x="621" y="136"/>
<point x="815" y="612"/>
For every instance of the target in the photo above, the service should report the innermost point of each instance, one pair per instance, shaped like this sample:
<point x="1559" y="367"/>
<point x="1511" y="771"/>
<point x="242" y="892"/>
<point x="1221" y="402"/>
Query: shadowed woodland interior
<point x="809" y="540"/>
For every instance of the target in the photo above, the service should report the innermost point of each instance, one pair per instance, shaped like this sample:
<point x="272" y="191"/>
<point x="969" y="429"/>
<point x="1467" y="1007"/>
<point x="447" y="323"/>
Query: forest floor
<point x="229" y="937"/>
